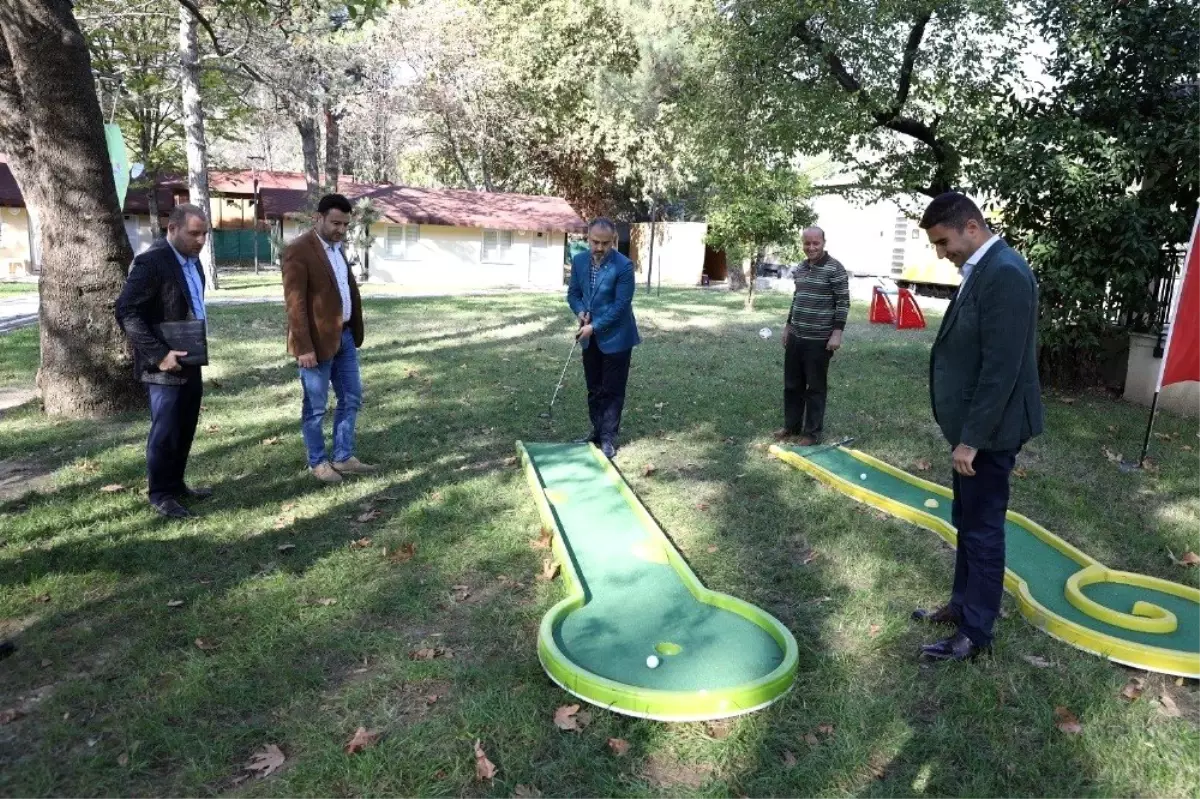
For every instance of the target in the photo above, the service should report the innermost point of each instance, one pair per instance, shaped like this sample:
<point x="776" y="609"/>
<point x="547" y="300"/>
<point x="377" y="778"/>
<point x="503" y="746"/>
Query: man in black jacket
<point x="166" y="284"/>
<point x="986" y="398"/>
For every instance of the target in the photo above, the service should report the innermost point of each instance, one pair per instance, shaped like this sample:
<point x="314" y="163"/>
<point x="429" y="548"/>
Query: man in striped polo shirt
<point x="812" y="334"/>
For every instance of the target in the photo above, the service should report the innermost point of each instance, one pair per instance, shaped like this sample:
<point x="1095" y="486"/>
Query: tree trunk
<point x="760" y="254"/>
<point x="307" y="126"/>
<point x="333" y="161"/>
<point x="193" y="126"/>
<point x="733" y="269"/>
<point x="152" y="206"/>
<point x="52" y="128"/>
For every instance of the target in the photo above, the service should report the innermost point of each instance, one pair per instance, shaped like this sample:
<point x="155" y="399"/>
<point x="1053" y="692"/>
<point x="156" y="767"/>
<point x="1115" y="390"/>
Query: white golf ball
<point x="764" y="333"/>
<point x="652" y="662"/>
<point x="862" y="476"/>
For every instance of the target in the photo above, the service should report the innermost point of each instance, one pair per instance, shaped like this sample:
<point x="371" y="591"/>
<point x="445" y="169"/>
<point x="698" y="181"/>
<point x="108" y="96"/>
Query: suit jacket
<point x="983" y="374"/>
<point x="314" y="304"/>
<point x="610" y="301"/>
<point x="155" y="291"/>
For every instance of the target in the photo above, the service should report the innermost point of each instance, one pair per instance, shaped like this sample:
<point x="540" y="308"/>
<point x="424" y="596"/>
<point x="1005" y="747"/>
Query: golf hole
<point x="667" y="648"/>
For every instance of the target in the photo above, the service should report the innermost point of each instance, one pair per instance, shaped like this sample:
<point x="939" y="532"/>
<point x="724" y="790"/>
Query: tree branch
<point x="910" y="57"/>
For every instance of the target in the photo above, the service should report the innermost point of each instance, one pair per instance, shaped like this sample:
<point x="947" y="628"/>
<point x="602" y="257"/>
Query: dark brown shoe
<point x="783" y="434"/>
<point x="807" y="441"/>
<point x="946" y="614"/>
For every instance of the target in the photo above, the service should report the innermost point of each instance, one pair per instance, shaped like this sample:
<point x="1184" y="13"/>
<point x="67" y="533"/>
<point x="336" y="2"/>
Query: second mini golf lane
<point x="1141" y="621"/>
<point x="633" y="598"/>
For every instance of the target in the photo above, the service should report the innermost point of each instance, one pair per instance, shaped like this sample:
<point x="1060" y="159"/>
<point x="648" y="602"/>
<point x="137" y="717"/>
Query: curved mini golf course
<point x="638" y="633"/>
<point x="1140" y="621"/>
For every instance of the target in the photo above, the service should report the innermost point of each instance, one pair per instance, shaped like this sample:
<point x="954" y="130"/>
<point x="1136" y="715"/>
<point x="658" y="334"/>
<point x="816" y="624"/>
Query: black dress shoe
<point x="171" y="508"/>
<point x="957" y="647"/>
<point x="946" y="614"/>
<point x="197" y="494"/>
<point x="609" y="450"/>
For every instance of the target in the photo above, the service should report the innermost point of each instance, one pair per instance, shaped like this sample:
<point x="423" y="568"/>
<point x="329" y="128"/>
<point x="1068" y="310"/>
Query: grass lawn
<point x="13" y="287"/>
<point x="157" y="659"/>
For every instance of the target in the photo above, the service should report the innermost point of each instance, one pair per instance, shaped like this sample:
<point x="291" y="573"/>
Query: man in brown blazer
<point x="324" y="332"/>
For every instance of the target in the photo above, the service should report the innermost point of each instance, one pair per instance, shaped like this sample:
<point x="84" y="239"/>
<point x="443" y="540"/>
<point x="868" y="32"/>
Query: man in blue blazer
<point x="986" y="398"/>
<point x="601" y="296"/>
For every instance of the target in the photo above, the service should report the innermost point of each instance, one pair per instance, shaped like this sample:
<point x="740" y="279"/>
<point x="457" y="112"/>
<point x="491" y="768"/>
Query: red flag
<point x="1181" y="359"/>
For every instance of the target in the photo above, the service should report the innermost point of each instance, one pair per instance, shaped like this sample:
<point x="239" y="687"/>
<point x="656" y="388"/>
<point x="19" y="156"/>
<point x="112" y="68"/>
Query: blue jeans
<point x="342" y="371"/>
<point x="978" y="513"/>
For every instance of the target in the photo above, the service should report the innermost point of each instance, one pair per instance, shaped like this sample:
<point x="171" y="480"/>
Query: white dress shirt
<point x="341" y="272"/>
<point x="975" y="258"/>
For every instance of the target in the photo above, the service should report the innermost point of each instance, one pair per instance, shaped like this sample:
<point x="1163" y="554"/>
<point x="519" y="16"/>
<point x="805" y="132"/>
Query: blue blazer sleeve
<point x="575" y="289"/>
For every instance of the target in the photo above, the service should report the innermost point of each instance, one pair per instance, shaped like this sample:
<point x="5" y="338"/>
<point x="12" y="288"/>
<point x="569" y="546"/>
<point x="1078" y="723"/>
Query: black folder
<point x="188" y="335"/>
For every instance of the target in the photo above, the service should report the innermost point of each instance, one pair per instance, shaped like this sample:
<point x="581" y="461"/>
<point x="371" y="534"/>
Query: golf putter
<point x="549" y="414"/>
<point x="832" y="445"/>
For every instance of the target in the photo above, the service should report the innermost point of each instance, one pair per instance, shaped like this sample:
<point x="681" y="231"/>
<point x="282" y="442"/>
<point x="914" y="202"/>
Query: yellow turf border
<point x="1146" y="617"/>
<point x="631" y="699"/>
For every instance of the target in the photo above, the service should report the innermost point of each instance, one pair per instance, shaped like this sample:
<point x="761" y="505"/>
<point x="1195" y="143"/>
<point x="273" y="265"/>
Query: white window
<point x="402" y="242"/>
<point x="497" y="246"/>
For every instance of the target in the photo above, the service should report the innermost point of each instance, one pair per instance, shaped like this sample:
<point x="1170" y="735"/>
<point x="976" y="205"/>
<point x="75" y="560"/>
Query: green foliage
<point x="1100" y="172"/>
<point x="755" y="208"/>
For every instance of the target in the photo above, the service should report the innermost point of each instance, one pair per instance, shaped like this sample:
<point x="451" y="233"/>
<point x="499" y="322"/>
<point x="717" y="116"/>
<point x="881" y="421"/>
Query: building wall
<point x="15" y="258"/>
<point x="678" y="251"/>
<point x="137" y="228"/>
<point x="452" y="257"/>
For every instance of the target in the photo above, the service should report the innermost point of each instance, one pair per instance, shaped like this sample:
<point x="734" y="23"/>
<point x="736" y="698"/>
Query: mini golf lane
<point x="1141" y="621"/>
<point x="632" y="597"/>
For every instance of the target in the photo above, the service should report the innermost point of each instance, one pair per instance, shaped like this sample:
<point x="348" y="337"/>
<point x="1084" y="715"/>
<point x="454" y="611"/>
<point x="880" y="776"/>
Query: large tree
<point x="892" y="91"/>
<point x="51" y="127"/>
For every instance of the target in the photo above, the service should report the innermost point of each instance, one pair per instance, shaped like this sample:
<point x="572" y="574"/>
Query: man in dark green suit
<point x="986" y="398"/>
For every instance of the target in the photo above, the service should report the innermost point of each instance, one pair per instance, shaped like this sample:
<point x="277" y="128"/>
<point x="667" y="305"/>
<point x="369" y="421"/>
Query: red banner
<point x="1181" y="360"/>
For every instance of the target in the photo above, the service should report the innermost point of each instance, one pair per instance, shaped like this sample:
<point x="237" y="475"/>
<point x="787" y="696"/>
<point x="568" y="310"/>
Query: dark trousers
<point x="174" y="411"/>
<point x="606" y="375"/>
<point x="805" y="381"/>
<point x="978" y="513"/>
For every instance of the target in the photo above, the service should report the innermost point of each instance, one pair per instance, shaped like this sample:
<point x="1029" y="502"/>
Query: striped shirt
<point x="822" y="299"/>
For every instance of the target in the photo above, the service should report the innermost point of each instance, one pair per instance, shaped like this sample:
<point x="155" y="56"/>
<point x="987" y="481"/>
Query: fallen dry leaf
<point x="9" y="715"/>
<point x="205" y="645"/>
<point x="361" y="543"/>
<point x="811" y="739"/>
<point x="460" y="592"/>
<point x="1167" y="706"/>
<point x="712" y="549"/>
<point x="270" y="442"/>
<point x="405" y="553"/>
<point x="549" y="569"/>
<point x="213" y="428"/>
<point x="266" y="762"/>
<point x="284" y="521"/>
<point x="1114" y="457"/>
<point x="1149" y="465"/>
<point x="703" y="506"/>
<point x="810" y="557"/>
<point x="432" y="699"/>
<point x="175" y="603"/>
<point x="874" y="630"/>
<point x="123" y="759"/>
<point x="825" y="729"/>
<point x="286" y="547"/>
<point x="718" y="729"/>
<point x="618" y="746"/>
<point x="368" y="516"/>
<point x="1190" y="559"/>
<point x="112" y="488"/>
<point x="543" y="540"/>
<point x="922" y="465"/>
<point x="1067" y="400"/>
<point x="564" y="718"/>
<point x="432" y="653"/>
<point x="1066" y="722"/>
<point x="789" y="760"/>
<point x="649" y="470"/>
<point x="484" y="768"/>
<point x="362" y="739"/>
<point x="1133" y="689"/>
<point x="1037" y="660"/>
<point x="287" y="506"/>
<point x="326" y="602"/>
<point x="526" y="792"/>
<point x="1164" y="436"/>
<point x="1019" y="472"/>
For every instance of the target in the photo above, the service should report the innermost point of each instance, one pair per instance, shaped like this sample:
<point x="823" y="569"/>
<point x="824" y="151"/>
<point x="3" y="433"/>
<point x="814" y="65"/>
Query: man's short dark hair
<point x="180" y="213"/>
<point x="952" y="209"/>
<point x="604" y="223"/>
<point x="331" y="202"/>
<point x="814" y="227"/>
